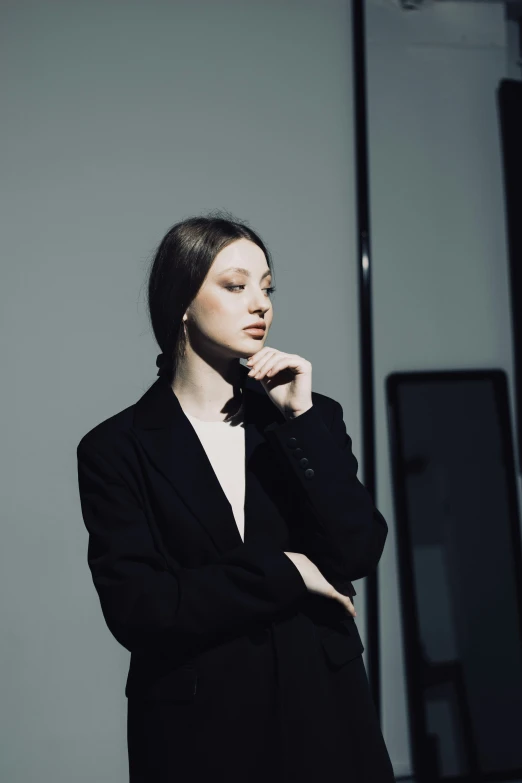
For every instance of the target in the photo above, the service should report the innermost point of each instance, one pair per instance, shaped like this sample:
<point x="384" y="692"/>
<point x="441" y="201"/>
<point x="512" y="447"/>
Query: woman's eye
<point x="270" y="290"/>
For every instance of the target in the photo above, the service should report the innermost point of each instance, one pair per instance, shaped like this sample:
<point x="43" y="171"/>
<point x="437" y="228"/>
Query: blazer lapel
<point x="175" y="449"/>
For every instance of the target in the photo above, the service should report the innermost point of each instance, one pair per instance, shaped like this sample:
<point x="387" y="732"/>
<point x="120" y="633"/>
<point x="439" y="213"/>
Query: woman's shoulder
<point x="110" y="434"/>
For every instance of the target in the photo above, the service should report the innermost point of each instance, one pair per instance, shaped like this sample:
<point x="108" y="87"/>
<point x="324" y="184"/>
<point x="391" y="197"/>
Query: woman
<point x="226" y="523"/>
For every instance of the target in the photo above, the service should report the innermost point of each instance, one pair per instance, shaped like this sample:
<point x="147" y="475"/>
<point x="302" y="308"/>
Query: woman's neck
<point x="206" y="394"/>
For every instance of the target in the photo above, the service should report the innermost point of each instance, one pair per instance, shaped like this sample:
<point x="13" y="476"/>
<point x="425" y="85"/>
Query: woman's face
<point x="229" y="300"/>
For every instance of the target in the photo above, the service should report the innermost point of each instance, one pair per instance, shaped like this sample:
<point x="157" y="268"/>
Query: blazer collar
<point x="174" y="447"/>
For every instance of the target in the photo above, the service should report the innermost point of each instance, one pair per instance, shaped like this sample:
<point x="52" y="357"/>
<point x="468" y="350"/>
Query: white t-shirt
<point x="224" y="444"/>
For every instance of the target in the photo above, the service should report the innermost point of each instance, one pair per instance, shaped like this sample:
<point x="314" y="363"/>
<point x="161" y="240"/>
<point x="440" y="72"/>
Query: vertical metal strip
<point x="365" y="325"/>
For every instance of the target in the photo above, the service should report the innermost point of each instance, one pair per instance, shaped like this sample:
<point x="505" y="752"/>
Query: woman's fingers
<point x="345" y="600"/>
<point x="316" y="582"/>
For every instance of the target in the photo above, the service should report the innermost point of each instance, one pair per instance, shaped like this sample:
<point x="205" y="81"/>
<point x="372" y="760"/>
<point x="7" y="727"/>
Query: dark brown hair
<point x="178" y="268"/>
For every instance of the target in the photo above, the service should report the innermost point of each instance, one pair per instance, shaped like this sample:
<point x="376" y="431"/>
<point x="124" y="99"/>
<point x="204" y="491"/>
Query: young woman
<point x="226" y="523"/>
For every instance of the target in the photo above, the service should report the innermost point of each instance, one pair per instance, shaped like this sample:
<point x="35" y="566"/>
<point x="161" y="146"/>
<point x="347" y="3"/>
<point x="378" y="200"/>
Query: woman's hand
<point x="286" y="378"/>
<point x="315" y="581"/>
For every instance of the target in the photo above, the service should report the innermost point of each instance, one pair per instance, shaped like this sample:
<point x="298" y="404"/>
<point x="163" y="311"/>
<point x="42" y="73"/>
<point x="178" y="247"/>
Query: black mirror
<point x="460" y="571"/>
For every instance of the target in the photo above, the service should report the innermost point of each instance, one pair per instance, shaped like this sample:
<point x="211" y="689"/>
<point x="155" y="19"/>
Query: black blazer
<point x="176" y="583"/>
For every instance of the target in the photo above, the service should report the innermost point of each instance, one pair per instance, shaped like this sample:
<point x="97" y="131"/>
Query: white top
<point x="224" y="443"/>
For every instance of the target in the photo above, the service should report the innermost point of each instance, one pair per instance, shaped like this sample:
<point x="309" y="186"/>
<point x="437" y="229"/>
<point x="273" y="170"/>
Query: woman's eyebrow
<point x="245" y="271"/>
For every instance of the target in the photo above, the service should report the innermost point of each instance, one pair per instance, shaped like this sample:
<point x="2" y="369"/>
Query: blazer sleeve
<point x="337" y="520"/>
<point x="147" y="604"/>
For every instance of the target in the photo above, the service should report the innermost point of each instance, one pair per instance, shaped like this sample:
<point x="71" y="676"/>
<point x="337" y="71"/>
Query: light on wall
<point x="417" y="5"/>
<point x="412" y="5"/>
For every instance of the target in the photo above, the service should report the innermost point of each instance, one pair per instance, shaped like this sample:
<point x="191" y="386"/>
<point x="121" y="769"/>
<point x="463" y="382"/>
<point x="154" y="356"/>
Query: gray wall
<point x="120" y="118"/>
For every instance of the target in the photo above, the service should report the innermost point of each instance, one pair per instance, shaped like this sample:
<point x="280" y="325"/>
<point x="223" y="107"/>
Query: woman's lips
<point x="255" y="332"/>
